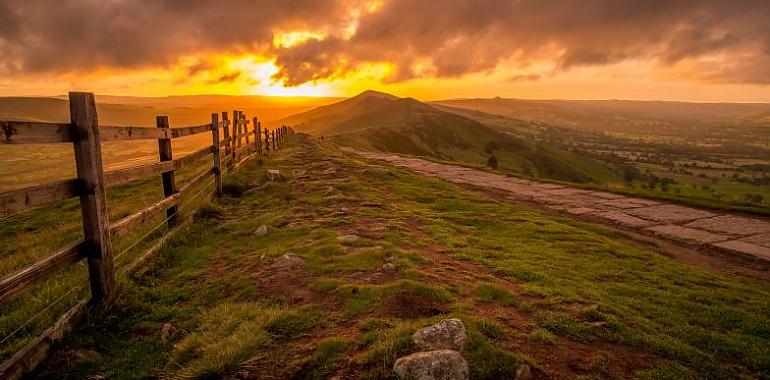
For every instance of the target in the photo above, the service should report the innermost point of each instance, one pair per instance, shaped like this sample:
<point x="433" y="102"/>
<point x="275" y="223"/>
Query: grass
<point x="37" y="233"/>
<point x="573" y="291"/>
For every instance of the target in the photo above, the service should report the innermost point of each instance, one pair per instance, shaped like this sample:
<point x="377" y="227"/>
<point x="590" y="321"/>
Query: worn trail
<point x="718" y="231"/>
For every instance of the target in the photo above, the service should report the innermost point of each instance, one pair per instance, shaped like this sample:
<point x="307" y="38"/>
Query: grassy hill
<point x="383" y="122"/>
<point x="570" y="299"/>
<point x="141" y="111"/>
<point x="620" y="116"/>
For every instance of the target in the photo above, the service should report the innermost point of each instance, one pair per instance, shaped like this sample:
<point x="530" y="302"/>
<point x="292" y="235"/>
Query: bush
<point x="492" y="162"/>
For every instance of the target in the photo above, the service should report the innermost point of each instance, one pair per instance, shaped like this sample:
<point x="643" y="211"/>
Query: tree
<point x="492" y="162"/>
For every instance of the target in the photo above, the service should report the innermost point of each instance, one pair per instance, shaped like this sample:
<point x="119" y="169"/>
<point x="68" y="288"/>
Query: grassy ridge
<point x="570" y="299"/>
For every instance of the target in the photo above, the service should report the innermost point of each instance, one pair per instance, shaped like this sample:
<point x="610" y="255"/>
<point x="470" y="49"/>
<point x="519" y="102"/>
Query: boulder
<point x="432" y="365"/>
<point x="261" y="230"/>
<point x="447" y="334"/>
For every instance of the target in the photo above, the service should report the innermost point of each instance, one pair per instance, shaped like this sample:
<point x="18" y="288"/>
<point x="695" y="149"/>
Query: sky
<point x="707" y="50"/>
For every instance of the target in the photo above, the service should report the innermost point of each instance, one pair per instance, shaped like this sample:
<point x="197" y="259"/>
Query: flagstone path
<point x="747" y="236"/>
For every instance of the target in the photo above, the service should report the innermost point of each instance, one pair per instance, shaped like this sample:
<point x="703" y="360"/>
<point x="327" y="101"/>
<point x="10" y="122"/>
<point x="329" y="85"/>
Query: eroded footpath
<point x="719" y="231"/>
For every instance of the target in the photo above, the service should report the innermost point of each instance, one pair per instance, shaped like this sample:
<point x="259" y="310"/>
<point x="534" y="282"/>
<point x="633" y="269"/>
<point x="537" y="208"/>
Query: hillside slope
<point x="378" y="121"/>
<point x="141" y="111"/>
<point x="623" y="116"/>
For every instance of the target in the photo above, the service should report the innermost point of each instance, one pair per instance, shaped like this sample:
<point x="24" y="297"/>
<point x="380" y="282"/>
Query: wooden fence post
<point x="226" y="133"/>
<point x="235" y="138"/>
<point x="169" y="182"/>
<point x="267" y="141"/>
<point x="245" y="127"/>
<point x="93" y="202"/>
<point x="215" y="151"/>
<point x="274" y="145"/>
<point x="255" y="125"/>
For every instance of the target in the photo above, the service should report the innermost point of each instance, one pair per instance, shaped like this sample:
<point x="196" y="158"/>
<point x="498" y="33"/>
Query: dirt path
<point x="747" y="238"/>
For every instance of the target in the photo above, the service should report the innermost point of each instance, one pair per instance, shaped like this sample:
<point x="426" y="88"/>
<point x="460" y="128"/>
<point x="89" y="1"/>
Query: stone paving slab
<point x="669" y="213"/>
<point x="733" y="225"/>
<point x="623" y="203"/>
<point x="624" y="219"/>
<point x="744" y="248"/>
<point x="582" y="210"/>
<point x="731" y="233"/>
<point x="689" y="235"/>
<point x="761" y="239"/>
<point x="606" y="195"/>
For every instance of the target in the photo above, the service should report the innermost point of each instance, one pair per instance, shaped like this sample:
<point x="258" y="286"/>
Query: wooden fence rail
<point x="86" y="135"/>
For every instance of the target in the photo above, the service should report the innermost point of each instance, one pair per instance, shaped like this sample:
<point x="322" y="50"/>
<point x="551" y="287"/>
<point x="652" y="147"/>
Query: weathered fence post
<point x="226" y="133"/>
<point x="235" y="138"/>
<point x="255" y="130"/>
<point x="267" y="141"/>
<point x="169" y="182"/>
<point x="245" y="127"/>
<point x="93" y="202"/>
<point x="274" y="144"/>
<point x="215" y="151"/>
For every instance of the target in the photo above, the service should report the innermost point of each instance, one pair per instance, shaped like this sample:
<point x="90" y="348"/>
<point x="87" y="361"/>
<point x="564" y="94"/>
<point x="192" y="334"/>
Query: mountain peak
<point x="376" y="94"/>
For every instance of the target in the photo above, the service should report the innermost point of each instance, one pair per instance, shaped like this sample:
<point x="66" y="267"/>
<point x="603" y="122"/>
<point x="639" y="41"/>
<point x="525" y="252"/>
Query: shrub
<point x="492" y="162"/>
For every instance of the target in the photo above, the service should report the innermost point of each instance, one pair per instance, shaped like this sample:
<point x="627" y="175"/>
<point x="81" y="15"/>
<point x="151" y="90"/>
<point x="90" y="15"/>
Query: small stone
<point x="167" y="332"/>
<point x="389" y="268"/>
<point x="523" y="372"/>
<point x="447" y="334"/>
<point x="432" y="365"/>
<point x="347" y="238"/>
<point x="273" y="174"/>
<point x="261" y="230"/>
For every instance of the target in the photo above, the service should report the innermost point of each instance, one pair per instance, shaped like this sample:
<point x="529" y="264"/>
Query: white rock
<point x="347" y="238"/>
<point x="432" y="365"/>
<point x="447" y="334"/>
<point x="261" y="230"/>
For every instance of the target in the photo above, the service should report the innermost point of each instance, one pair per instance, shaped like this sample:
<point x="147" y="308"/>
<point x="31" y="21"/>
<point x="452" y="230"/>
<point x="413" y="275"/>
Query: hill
<point x="620" y="116"/>
<point x="383" y="122"/>
<point x="141" y="111"/>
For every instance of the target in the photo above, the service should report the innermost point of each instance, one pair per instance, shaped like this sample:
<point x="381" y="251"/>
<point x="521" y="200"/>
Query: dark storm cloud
<point x="460" y="37"/>
<point x="454" y="37"/>
<point x="63" y="35"/>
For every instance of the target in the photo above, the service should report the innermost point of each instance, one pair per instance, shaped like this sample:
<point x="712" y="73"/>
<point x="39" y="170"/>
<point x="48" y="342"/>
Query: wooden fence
<point x="228" y="151"/>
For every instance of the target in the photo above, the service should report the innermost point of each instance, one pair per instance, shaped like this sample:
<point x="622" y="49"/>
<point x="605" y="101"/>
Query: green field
<point x="569" y="298"/>
<point x="34" y="234"/>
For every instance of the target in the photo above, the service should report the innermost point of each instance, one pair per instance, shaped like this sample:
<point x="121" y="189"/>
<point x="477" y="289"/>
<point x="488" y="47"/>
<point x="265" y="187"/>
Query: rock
<point x="432" y="365"/>
<point x="389" y="268"/>
<point x="167" y="332"/>
<point x="447" y="334"/>
<point x="261" y="230"/>
<point x="523" y="372"/>
<point x="290" y="259"/>
<point x="273" y="174"/>
<point x="347" y="238"/>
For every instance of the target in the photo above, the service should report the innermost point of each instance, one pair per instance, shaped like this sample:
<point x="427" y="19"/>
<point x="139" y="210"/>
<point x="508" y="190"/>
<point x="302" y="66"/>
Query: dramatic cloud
<point x="716" y="41"/>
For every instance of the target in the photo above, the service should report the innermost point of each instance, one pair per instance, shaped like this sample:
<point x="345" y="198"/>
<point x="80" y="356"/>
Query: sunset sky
<point x="429" y="49"/>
